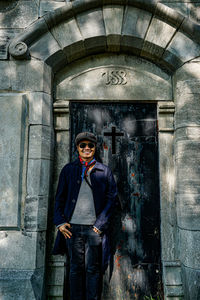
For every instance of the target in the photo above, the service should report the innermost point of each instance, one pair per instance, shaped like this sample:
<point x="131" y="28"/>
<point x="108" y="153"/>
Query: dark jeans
<point x="85" y="248"/>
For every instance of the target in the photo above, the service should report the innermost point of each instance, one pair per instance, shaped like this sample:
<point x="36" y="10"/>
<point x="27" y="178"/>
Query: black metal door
<point x="127" y="139"/>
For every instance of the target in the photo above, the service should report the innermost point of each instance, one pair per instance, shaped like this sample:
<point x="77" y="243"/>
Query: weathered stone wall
<point x="17" y="15"/>
<point x="27" y="135"/>
<point x="187" y="157"/>
<point x="26" y="157"/>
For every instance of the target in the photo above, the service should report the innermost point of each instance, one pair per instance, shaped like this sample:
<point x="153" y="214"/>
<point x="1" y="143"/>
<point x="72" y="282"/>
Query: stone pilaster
<point x="187" y="159"/>
<point x="56" y="264"/>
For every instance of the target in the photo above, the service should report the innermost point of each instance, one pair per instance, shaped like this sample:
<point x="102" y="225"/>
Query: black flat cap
<point x="85" y="136"/>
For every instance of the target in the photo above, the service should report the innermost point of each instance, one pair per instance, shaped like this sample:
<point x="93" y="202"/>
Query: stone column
<point x="56" y="264"/>
<point x="26" y="156"/>
<point x="172" y="281"/>
<point x="187" y="160"/>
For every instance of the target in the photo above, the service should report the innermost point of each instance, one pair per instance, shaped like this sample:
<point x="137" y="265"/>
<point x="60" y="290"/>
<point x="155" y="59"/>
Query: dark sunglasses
<point x="83" y="145"/>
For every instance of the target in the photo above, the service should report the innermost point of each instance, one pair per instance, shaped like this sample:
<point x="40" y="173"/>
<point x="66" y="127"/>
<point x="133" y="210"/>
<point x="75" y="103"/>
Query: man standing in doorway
<point x="85" y="200"/>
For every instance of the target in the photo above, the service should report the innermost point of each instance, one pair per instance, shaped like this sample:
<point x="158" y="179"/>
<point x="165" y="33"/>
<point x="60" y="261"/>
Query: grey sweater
<point x="84" y="212"/>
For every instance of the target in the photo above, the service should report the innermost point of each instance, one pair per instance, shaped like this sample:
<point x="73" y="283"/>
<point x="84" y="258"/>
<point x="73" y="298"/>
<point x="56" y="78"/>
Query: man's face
<point x="86" y="152"/>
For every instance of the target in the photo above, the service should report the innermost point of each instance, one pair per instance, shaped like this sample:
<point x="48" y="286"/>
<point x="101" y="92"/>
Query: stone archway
<point x="156" y="33"/>
<point x="150" y="30"/>
<point x="83" y="81"/>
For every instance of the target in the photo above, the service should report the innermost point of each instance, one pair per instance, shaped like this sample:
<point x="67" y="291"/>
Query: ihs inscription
<point x="115" y="77"/>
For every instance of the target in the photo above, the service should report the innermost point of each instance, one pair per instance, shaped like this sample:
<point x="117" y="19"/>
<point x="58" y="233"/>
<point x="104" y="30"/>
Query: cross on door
<point x="113" y="134"/>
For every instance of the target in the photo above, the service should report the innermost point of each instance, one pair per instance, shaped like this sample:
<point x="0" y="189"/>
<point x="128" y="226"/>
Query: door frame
<point x="165" y="119"/>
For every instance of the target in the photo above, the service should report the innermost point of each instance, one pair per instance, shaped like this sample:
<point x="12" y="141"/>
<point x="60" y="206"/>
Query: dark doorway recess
<point x="128" y="143"/>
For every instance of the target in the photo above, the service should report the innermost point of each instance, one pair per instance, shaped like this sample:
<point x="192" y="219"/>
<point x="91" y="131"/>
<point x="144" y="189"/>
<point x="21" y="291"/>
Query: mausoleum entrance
<point x="127" y="142"/>
<point x="125" y="101"/>
<point x="130" y="53"/>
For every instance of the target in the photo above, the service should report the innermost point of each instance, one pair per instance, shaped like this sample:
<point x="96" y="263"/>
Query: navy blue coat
<point x="105" y="200"/>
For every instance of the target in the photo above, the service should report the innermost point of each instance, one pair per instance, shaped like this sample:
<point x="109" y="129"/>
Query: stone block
<point x="56" y="276"/>
<point x="18" y="249"/>
<point x="47" y="6"/>
<point x="188" y="186"/>
<point x="77" y="5"/>
<point x="171" y="62"/>
<point x="167" y="172"/>
<point x="113" y="17"/>
<point x="13" y="118"/>
<point x="31" y="75"/>
<point x="5" y="76"/>
<point x="62" y="121"/>
<point x="38" y="177"/>
<point x="168" y="238"/>
<point x="131" y="45"/>
<point x="172" y="274"/>
<point x="62" y="151"/>
<point x="183" y="47"/>
<point x="69" y="37"/>
<point x="178" y="6"/>
<point x="141" y="80"/>
<point x="168" y="14"/>
<point x="136" y="22"/>
<point x="188" y="170"/>
<point x="20" y="16"/>
<point x="23" y="250"/>
<point x="6" y="35"/>
<point x="40" y="109"/>
<point x="92" y="28"/>
<point x="189" y="73"/>
<point x="186" y="150"/>
<point x="187" y="95"/>
<point x="166" y="121"/>
<point x="189" y="247"/>
<point x="152" y="51"/>
<point x="187" y="133"/>
<point x="193" y="133"/>
<point x="194" y="11"/>
<point x="11" y="282"/>
<point x="40" y="249"/>
<point x="36" y="211"/>
<point x="160" y="34"/>
<point x="47" y="49"/>
<point x="135" y="25"/>
<point x="188" y="87"/>
<point x="174" y="291"/>
<point x="188" y="115"/>
<point x="167" y="183"/>
<point x="191" y="280"/>
<point x="56" y="292"/>
<point x="41" y="142"/>
<point x="188" y="211"/>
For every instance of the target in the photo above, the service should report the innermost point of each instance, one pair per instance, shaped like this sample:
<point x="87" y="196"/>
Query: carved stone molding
<point x="61" y="115"/>
<point x="19" y="50"/>
<point x="61" y="107"/>
<point x="165" y="108"/>
<point x="166" y="116"/>
<point x="165" y="56"/>
<point x="173" y="279"/>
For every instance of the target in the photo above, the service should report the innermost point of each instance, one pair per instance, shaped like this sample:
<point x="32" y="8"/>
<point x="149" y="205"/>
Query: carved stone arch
<point x="152" y="31"/>
<point x="143" y="28"/>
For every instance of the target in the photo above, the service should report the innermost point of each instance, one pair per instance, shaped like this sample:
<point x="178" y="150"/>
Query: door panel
<point x="127" y="142"/>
